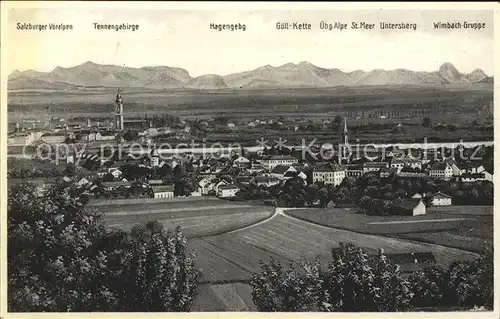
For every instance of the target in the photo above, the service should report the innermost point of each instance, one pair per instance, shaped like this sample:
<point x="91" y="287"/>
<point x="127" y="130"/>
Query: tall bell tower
<point x="119" y="112"/>
<point x="344" y="146"/>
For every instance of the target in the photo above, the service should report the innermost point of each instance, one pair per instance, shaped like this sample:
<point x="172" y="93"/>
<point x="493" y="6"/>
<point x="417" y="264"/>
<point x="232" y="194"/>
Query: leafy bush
<point x="465" y="284"/>
<point x="62" y="258"/>
<point x="472" y="282"/>
<point x="430" y="287"/>
<point x="352" y="281"/>
<point x="356" y="282"/>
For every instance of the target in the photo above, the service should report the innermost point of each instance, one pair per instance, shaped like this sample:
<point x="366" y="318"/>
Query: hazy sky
<point x="184" y="39"/>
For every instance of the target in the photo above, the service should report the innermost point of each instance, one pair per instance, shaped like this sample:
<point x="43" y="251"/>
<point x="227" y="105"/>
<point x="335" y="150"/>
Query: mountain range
<point x="303" y="74"/>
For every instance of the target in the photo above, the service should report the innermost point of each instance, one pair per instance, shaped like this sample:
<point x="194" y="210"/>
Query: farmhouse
<point x="411" y="207"/>
<point x="271" y="161"/>
<point x="226" y="191"/>
<point x="440" y="199"/>
<point x="163" y="191"/>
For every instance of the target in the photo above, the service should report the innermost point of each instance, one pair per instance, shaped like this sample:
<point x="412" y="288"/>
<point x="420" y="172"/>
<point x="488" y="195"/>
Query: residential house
<point x="329" y="174"/>
<point x="412" y="207"/>
<point x="386" y="172"/>
<point x="271" y="161"/>
<point x="206" y="185"/>
<point x="54" y="138"/>
<point x="280" y="170"/>
<point x="374" y="166"/>
<point x="243" y="180"/>
<point x="219" y="184"/>
<point x="265" y="181"/>
<point x="400" y="163"/>
<point x="441" y="170"/>
<point x="82" y="182"/>
<point x="110" y="186"/>
<point x="256" y="168"/>
<point x="354" y="170"/>
<point x="454" y="166"/>
<point x="241" y="162"/>
<point x="412" y="175"/>
<point x="440" y="199"/>
<point x="101" y="172"/>
<point x="475" y="177"/>
<point x="417" y="195"/>
<point x="155" y="182"/>
<point x="115" y="172"/>
<point x="472" y="168"/>
<point x="163" y="191"/>
<point x="227" y="191"/>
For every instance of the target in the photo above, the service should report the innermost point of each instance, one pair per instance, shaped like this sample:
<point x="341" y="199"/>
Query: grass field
<point x="196" y="218"/>
<point x="465" y="227"/>
<point x="235" y="256"/>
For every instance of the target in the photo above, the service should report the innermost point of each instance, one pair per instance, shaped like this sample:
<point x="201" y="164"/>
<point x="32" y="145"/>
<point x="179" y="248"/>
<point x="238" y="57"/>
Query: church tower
<point x="119" y="112"/>
<point x="344" y="146"/>
<point x="155" y="157"/>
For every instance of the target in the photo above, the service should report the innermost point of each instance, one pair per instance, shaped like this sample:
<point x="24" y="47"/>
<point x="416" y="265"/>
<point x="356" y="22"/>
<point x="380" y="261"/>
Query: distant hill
<point x="208" y="82"/>
<point x="303" y="74"/>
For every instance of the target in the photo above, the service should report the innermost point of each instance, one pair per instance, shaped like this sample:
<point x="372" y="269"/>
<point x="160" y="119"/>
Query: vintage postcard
<point x="248" y="157"/>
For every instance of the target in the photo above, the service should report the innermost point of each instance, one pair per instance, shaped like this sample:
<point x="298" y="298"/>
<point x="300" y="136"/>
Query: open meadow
<point x="465" y="227"/>
<point x="196" y="218"/>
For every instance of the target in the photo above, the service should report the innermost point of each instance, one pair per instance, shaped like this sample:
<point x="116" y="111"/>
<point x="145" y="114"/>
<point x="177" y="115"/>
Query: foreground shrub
<point x="62" y="258"/>
<point x="356" y="282"/>
<point x="352" y="281"/>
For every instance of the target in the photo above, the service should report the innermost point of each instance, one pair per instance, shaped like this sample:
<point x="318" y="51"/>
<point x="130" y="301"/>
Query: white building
<point x="440" y="199"/>
<point x="271" y="161"/>
<point x="441" y="170"/>
<point x="205" y="186"/>
<point x="374" y="166"/>
<point x="399" y="164"/>
<point x="241" y="161"/>
<point x="163" y="191"/>
<point x="279" y="171"/>
<point x="226" y="191"/>
<point x="54" y="138"/>
<point x="329" y="175"/>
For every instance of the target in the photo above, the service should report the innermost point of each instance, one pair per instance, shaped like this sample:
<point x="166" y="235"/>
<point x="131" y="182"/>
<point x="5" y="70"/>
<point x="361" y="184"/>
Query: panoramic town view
<point x="293" y="187"/>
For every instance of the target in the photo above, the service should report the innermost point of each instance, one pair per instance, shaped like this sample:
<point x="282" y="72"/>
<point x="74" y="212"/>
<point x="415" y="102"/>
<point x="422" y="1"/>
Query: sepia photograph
<point x="176" y="159"/>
